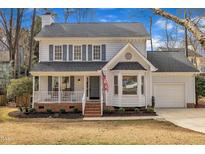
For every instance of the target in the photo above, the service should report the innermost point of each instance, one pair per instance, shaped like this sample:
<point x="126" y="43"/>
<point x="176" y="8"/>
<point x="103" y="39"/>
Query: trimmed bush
<point x="199" y="87"/>
<point x="49" y="111"/>
<point x="108" y="110"/>
<point x="19" y="87"/>
<point x="137" y="110"/>
<point x="75" y="110"/>
<point x="150" y="109"/>
<point x="62" y="111"/>
<point x="121" y="110"/>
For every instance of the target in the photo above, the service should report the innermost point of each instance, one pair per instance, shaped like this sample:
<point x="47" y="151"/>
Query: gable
<point x="129" y="54"/>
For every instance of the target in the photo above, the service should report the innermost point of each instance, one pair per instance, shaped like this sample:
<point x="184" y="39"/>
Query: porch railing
<point x="58" y="96"/>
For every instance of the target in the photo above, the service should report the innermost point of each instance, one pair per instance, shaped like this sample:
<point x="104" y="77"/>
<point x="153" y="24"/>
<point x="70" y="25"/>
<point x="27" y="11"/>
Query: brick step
<point x="92" y="112"/>
<point x="92" y="115"/>
<point x="91" y="109"/>
<point x="93" y="105"/>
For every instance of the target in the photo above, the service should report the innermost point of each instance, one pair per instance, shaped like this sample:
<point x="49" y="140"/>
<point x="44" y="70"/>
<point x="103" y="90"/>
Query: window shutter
<point x="104" y="52"/>
<point x="89" y="52"/>
<point x="49" y="83"/>
<point x="64" y="52"/>
<point x="84" y="52"/>
<point x="72" y="83"/>
<point x="50" y="52"/>
<point x="70" y="52"/>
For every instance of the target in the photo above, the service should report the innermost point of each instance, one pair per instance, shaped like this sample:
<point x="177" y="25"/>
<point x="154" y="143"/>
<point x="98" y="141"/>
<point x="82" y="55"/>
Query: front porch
<point x="67" y="93"/>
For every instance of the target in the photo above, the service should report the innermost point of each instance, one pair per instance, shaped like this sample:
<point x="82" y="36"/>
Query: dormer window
<point x="58" y="53"/>
<point x="96" y="52"/>
<point x="77" y="54"/>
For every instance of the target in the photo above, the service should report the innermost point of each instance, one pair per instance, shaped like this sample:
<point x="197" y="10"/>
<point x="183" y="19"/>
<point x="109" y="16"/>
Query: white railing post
<point x="59" y="90"/>
<point x="101" y="94"/>
<point x="33" y="91"/>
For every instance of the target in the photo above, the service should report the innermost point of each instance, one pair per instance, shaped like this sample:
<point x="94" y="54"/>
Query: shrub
<point x="62" y="111"/>
<point x="75" y="110"/>
<point x="137" y="110"/>
<point x="199" y="87"/>
<point x="150" y="109"/>
<point x="121" y="109"/>
<point x="108" y="110"/>
<point x="19" y="87"/>
<point x="49" y="111"/>
<point x="32" y="110"/>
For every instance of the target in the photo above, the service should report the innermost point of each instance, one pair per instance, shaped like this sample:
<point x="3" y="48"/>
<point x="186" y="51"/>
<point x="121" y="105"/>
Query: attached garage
<point x="169" y="95"/>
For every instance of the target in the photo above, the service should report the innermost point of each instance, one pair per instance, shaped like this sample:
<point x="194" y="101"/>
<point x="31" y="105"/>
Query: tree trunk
<point x="31" y="40"/>
<point x="187" y="23"/>
<point x="186" y="35"/>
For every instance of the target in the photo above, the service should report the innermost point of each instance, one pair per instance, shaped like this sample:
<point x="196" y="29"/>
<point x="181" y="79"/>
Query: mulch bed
<point x="18" y="114"/>
<point x="129" y="113"/>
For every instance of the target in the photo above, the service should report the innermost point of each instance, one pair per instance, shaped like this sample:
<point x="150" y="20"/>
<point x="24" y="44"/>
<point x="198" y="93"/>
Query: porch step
<point x="92" y="109"/>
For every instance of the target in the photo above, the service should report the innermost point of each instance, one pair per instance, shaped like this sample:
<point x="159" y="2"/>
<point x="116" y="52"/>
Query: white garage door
<point x="169" y="95"/>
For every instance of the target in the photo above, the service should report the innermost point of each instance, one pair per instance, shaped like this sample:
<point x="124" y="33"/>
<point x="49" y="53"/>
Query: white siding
<point x="79" y="83"/>
<point x="43" y="83"/>
<point x="112" y="46"/>
<point x="43" y="51"/>
<point x="187" y="80"/>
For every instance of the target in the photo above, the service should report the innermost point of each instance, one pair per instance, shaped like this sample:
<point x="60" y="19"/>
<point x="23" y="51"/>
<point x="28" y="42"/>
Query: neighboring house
<point x="4" y="68"/>
<point x="72" y="58"/>
<point x="197" y="59"/>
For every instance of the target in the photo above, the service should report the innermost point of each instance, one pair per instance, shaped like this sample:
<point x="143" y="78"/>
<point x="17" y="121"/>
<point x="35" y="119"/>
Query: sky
<point x="123" y="15"/>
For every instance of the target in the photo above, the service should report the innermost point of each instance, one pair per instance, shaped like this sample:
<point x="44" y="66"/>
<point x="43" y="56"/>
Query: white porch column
<point x="120" y="87"/>
<point x="146" y="88"/>
<point x="150" y="80"/>
<point x="101" y="94"/>
<point x="139" y="83"/>
<point x="59" y="89"/>
<point x="85" y="85"/>
<point x="33" y="91"/>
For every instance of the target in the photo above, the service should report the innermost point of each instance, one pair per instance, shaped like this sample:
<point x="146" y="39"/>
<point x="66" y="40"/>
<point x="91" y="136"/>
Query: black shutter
<point x="89" y="52"/>
<point x="64" y="52"/>
<point x="84" y="52"/>
<point x="104" y="52"/>
<point x="70" y="52"/>
<point x="49" y="83"/>
<point x="50" y="52"/>
<point x="72" y="83"/>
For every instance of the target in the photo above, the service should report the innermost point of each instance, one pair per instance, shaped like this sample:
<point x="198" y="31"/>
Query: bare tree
<point x="12" y="32"/>
<point x="31" y="39"/>
<point x="187" y="23"/>
<point x="79" y="14"/>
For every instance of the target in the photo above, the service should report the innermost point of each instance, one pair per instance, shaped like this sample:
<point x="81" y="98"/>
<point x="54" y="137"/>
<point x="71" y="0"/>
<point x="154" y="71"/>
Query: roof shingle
<point x="94" y="30"/>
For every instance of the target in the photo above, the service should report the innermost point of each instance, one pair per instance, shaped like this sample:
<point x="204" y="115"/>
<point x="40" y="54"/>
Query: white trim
<point x="54" y="50"/>
<point x="90" y="38"/>
<point x="80" y="51"/>
<point x="93" y="52"/>
<point x="152" y="67"/>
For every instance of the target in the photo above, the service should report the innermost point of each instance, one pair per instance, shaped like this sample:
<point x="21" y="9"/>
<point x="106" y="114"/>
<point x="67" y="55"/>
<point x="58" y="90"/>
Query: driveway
<point x="193" y="119"/>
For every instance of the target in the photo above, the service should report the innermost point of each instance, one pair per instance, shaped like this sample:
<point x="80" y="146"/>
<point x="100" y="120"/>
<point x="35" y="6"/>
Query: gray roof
<point x="170" y="61"/>
<point x="191" y="53"/>
<point x="68" y="66"/>
<point x="94" y="30"/>
<point x="128" y="66"/>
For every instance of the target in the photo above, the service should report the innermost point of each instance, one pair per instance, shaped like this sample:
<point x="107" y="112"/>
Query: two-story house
<point x="92" y="66"/>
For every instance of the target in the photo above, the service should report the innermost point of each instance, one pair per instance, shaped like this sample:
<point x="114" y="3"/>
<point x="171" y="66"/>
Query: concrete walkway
<point x="193" y="119"/>
<point x="123" y="118"/>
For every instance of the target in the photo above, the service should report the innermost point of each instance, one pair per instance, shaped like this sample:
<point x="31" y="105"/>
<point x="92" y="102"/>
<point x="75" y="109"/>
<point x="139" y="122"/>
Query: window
<point x="36" y="88"/>
<point x="96" y="52"/>
<point x="65" y="84"/>
<point x="129" y="84"/>
<point x="58" y="52"/>
<point x="77" y="52"/>
<point x="142" y="85"/>
<point x="116" y="85"/>
<point x="55" y="83"/>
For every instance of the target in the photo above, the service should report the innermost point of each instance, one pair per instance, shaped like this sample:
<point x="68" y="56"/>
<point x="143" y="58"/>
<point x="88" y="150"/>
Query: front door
<point x="94" y="87"/>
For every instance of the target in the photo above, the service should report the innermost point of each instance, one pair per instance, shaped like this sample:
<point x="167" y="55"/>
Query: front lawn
<point x="64" y="131"/>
